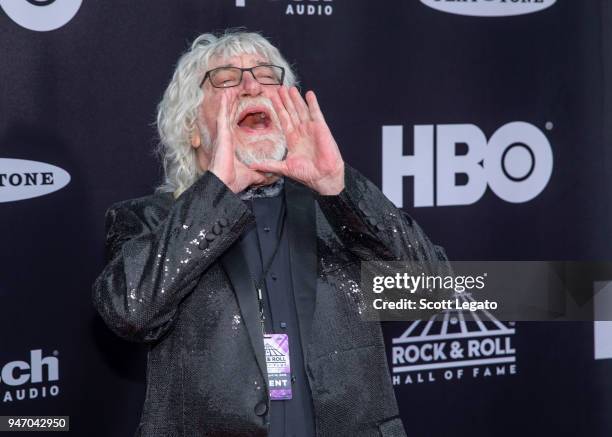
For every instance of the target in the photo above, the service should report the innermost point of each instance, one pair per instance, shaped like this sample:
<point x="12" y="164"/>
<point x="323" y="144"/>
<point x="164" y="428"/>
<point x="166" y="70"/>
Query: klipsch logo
<point x="300" y="7"/>
<point x="489" y="8"/>
<point x="516" y="162"/>
<point x="451" y="347"/>
<point x="37" y="378"/>
<point x="22" y="179"/>
<point x="41" y="15"/>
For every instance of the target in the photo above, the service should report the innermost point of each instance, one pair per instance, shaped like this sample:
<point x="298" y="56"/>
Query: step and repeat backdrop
<point x="487" y="120"/>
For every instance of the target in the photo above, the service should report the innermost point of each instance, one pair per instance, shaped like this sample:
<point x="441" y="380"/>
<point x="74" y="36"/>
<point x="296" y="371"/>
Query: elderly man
<point x="242" y="271"/>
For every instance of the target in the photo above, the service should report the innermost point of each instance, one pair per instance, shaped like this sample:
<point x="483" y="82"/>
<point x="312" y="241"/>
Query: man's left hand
<point x="313" y="157"/>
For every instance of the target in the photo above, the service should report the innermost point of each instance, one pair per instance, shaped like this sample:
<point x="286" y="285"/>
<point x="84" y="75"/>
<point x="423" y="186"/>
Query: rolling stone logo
<point x="23" y="179"/>
<point x="300" y="7"/>
<point x="34" y="379"/>
<point x="452" y="347"/>
<point x="489" y="8"/>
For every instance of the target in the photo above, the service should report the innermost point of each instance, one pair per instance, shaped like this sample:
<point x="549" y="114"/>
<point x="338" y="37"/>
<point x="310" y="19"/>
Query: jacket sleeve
<point x="372" y="228"/>
<point x="150" y="271"/>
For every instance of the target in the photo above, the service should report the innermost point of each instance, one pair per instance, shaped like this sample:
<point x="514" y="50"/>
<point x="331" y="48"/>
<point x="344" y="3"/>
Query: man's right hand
<point x="224" y="163"/>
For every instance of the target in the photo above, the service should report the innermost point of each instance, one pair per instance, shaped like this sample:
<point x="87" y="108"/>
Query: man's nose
<point x="250" y="86"/>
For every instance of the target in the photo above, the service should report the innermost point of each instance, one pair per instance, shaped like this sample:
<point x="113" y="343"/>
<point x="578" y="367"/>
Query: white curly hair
<point x="178" y="111"/>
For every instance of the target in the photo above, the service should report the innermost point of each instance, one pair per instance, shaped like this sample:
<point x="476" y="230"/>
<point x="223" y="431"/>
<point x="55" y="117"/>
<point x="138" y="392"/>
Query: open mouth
<point x="255" y="118"/>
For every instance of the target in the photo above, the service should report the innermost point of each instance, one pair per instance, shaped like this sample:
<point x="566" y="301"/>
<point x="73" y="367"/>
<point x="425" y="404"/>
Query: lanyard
<point x="259" y="283"/>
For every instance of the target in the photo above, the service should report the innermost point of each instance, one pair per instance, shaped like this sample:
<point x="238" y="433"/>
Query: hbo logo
<point x="516" y="163"/>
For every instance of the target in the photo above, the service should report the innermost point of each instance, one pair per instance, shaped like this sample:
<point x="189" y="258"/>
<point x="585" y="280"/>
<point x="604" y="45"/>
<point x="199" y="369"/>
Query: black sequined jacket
<point x="174" y="281"/>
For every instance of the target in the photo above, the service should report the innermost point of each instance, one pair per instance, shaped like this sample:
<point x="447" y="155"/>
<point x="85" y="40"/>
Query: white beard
<point x="249" y="153"/>
<point x="247" y="150"/>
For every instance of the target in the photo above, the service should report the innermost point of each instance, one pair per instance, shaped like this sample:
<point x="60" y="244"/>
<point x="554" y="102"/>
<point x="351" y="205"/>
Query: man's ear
<point x="196" y="138"/>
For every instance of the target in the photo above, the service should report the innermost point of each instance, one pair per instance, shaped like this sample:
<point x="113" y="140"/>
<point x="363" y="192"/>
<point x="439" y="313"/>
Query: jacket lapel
<point x="302" y="233"/>
<point x="302" y="228"/>
<point x="237" y="270"/>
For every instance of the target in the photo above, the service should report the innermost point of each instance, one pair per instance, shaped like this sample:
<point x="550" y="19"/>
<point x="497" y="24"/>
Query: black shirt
<point x="293" y="417"/>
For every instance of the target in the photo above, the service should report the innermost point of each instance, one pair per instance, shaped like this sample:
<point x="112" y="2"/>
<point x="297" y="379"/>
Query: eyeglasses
<point x="226" y="77"/>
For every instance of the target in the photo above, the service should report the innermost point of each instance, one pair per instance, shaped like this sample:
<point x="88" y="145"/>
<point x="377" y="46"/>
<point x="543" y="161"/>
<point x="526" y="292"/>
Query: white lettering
<point x="516" y="163"/>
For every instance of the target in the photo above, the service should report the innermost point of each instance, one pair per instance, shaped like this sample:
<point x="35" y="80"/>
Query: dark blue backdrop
<point x="82" y="97"/>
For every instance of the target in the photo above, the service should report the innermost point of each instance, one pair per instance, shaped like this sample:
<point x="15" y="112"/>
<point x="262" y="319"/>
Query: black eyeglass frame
<point x="242" y="70"/>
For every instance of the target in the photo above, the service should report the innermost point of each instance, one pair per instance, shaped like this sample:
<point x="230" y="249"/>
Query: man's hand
<point x="313" y="157"/>
<point x="224" y="163"/>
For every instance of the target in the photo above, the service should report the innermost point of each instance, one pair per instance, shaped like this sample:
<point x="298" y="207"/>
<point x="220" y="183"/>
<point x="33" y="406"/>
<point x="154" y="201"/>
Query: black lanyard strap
<point x="259" y="283"/>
